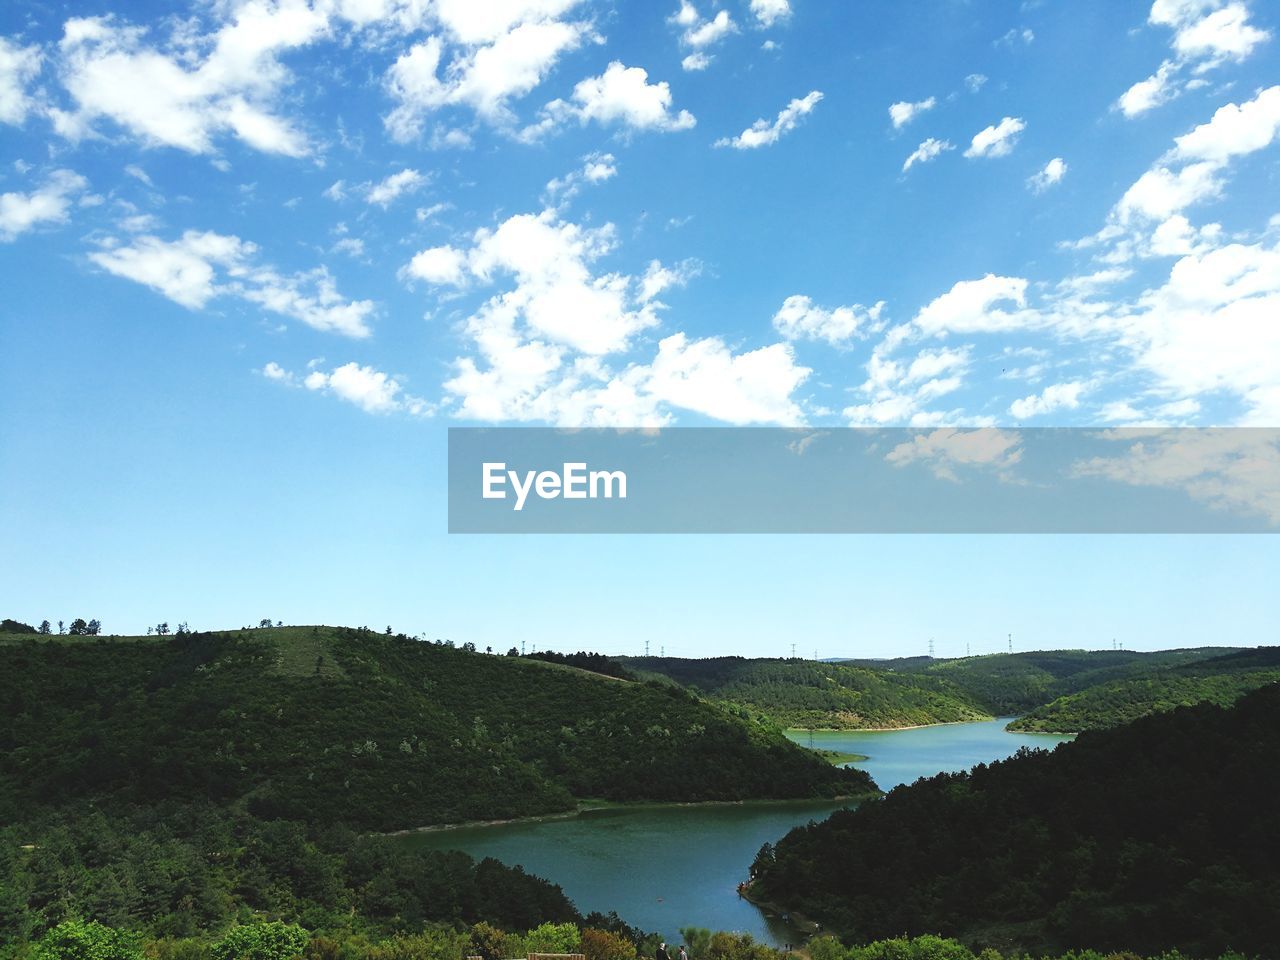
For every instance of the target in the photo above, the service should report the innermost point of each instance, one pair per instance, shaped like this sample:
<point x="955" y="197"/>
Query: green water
<point x="666" y="867"/>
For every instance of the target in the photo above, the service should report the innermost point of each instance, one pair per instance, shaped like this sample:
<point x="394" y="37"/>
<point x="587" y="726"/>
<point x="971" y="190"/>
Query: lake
<point x="666" y="867"/>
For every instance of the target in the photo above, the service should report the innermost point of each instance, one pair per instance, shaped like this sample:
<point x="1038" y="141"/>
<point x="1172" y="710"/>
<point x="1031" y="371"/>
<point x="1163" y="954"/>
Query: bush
<point x="80" y="940"/>
<point x="261" y="941"/>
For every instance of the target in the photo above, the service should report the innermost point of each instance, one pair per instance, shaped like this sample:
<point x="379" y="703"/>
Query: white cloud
<point x="443" y="266"/>
<point x="799" y="318"/>
<point x="1156" y="90"/>
<point x="483" y="58"/>
<point x="624" y="95"/>
<point x="48" y="203"/>
<point x="769" y="12"/>
<point x="1059" y="396"/>
<point x="903" y="112"/>
<point x="179" y="97"/>
<point x="972" y="306"/>
<point x="1015" y="37"/>
<point x="396" y="185"/>
<point x="1207" y="33"/>
<point x="1052" y="173"/>
<point x="273" y="371"/>
<point x="706" y="377"/>
<point x="200" y="266"/>
<point x="763" y="132"/>
<point x="658" y="278"/>
<point x="368" y="388"/>
<point x="1235" y="129"/>
<point x="927" y="151"/>
<point x="1228" y="469"/>
<point x="18" y="67"/>
<point x="946" y="449"/>
<point x="975" y="82"/>
<point x="696" y="61"/>
<point x="596" y="168"/>
<point x="997" y="140"/>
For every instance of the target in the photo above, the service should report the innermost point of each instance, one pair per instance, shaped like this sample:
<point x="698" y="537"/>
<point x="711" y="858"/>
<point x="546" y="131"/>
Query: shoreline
<point x="914" y="726"/>
<point x="586" y="807"/>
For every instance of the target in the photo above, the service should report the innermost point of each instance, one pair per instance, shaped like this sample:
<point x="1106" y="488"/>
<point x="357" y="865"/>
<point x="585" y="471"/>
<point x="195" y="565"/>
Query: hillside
<point x="1221" y="680"/>
<point x="328" y="725"/>
<point x="816" y="695"/>
<point x="1014" y="683"/>
<point x="1154" y="836"/>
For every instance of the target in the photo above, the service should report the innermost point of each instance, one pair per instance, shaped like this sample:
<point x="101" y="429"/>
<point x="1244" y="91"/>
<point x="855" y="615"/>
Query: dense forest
<point x="816" y="695"/>
<point x="377" y="732"/>
<point x="1221" y="680"/>
<point x="1156" y="835"/>
<point x="172" y="787"/>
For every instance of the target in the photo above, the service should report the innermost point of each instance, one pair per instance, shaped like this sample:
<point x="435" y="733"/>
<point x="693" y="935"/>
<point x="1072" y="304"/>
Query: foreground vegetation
<point x="813" y="695"/>
<point x="1158" y="835"/>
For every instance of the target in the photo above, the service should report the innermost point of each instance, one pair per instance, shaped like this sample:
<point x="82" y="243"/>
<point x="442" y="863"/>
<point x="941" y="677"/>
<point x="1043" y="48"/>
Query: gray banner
<point x="944" y="480"/>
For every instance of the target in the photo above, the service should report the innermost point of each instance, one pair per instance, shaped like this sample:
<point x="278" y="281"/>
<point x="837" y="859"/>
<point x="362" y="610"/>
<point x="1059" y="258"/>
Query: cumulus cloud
<point x="903" y="112"/>
<point x="387" y="191"/>
<point x="199" y="266"/>
<point x="366" y="387"/>
<point x="18" y="67"/>
<point x="621" y="96"/>
<point x="47" y="203"/>
<point x="596" y="168"/>
<point x="481" y="60"/>
<point x="988" y="305"/>
<point x="763" y="132"/>
<point x="1059" y="396"/>
<point x="1052" y="173"/>
<point x="700" y="34"/>
<point x="947" y="450"/>
<point x="1206" y="33"/>
<point x="799" y="318"/>
<point x="770" y="12"/>
<point x="997" y="140"/>
<point x="928" y="150"/>
<point x="176" y="94"/>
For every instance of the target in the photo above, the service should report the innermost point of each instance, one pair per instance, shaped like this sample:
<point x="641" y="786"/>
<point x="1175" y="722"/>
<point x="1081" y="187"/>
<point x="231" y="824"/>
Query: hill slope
<point x="378" y="732"/>
<point x="1147" y="837"/>
<point x="1014" y="683"/>
<point x="1221" y="680"/>
<point x="816" y="695"/>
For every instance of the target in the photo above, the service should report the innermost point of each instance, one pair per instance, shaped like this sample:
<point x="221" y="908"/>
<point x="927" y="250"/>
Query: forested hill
<point x="817" y="695"/>
<point x="1014" y="683"/>
<point x="326" y="725"/>
<point x="1152" y="836"/>
<point x="1221" y="680"/>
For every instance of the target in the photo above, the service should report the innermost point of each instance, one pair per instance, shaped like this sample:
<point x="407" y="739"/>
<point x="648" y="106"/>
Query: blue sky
<point x="257" y="256"/>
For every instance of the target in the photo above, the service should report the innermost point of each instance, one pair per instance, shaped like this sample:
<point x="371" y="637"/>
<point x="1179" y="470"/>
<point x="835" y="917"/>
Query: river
<point x="666" y="867"/>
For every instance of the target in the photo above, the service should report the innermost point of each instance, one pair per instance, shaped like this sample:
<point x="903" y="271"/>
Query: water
<point x="666" y="867"/>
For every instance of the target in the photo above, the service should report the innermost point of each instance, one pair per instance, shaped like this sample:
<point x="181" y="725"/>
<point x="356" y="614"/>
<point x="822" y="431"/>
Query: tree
<point x="162" y="629"/>
<point x="261" y="941"/>
<point x="78" y="940"/>
<point x="60" y="629"/>
<point x="13" y="626"/>
<point x="93" y="628"/>
<point x="45" y="628"/>
<point x="79" y="628"/>
<point x="264" y="622"/>
<point x="183" y="629"/>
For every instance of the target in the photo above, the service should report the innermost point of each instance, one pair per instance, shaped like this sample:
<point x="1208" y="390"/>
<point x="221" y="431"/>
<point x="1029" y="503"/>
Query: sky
<point x="258" y="255"/>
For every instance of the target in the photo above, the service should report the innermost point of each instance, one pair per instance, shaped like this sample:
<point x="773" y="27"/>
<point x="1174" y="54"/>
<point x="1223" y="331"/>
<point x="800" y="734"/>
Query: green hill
<point x="1154" y="836"/>
<point x="1014" y="683"/>
<point x="1221" y="680"/>
<point x="378" y="732"/>
<point x="816" y="695"/>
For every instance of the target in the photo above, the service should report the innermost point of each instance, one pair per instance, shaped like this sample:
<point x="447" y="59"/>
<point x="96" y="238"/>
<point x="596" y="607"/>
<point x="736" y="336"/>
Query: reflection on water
<point x="663" y="868"/>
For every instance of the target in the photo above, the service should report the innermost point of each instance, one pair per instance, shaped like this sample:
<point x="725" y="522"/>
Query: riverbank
<point x="916" y="726"/>
<point x="601" y="806"/>
<point x="802" y="924"/>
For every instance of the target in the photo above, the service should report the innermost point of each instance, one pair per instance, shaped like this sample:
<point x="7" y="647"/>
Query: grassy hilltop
<point x="811" y="694"/>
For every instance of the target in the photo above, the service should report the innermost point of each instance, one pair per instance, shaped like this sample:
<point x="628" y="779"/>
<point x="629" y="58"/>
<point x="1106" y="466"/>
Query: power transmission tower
<point x="815" y="654"/>
<point x="1011" y="643"/>
<point x="522" y="648"/>
<point x="646" y="648"/>
<point x="966" y="649"/>
<point x="931" y="648"/>
<point x="662" y="650"/>
<point x="793" y="651"/>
